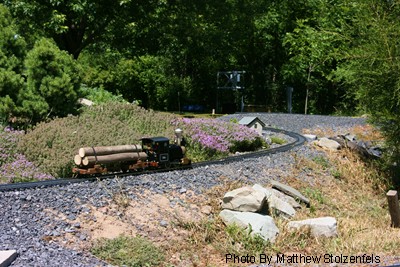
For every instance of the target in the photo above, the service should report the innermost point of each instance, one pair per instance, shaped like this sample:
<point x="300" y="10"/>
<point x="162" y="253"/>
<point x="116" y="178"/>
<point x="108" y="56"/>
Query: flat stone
<point x="244" y="199"/>
<point x="262" y="225"/>
<point x="323" y="226"/>
<point x="290" y="191"/>
<point x="275" y="204"/>
<point x="7" y="257"/>
<point x="328" y="144"/>
<point x="288" y="199"/>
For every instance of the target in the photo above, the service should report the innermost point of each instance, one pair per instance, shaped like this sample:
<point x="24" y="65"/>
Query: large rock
<point x="244" y="199"/>
<point x="275" y="204"/>
<point x="262" y="225"/>
<point x="328" y="144"/>
<point x="323" y="226"/>
<point x="290" y="191"/>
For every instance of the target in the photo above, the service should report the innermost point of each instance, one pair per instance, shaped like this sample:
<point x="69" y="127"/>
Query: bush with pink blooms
<point x="14" y="167"/>
<point x="210" y="139"/>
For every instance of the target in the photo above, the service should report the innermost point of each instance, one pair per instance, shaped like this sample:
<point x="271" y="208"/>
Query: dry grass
<point x="365" y="132"/>
<point x="356" y="198"/>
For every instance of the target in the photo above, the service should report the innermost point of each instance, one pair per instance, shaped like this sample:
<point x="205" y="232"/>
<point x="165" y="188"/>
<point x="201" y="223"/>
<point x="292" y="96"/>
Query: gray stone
<point x="328" y="144"/>
<point x="350" y="137"/>
<point x="275" y="204"/>
<point x="323" y="226"/>
<point x="288" y="190"/>
<point x="163" y="223"/>
<point x="310" y="137"/>
<point x="7" y="257"/>
<point x="262" y="225"/>
<point x="244" y="199"/>
<point x="85" y="102"/>
<point x="288" y="199"/>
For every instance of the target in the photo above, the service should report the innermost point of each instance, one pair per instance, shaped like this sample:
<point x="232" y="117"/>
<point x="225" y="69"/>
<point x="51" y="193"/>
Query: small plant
<point x="119" y="196"/>
<point x="315" y="195"/>
<point x="234" y="120"/>
<point x="322" y="161"/>
<point x="277" y="140"/>
<point x="128" y="251"/>
<point x="244" y="241"/>
<point x="335" y="173"/>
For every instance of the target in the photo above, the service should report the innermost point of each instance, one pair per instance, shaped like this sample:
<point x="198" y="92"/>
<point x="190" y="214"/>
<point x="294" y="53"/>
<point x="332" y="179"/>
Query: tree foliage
<point x="74" y="25"/>
<point x="335" y="54"/>
<point x="12" y="51"/>
<point x="372" y="66"/>
<point x="53" y="82"/>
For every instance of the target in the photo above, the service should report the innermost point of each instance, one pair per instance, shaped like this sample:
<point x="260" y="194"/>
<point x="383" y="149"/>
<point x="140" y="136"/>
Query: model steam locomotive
<point x="153" y="153"/>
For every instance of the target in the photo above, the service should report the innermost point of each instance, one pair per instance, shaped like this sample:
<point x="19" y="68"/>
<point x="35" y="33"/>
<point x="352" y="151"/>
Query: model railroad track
<point x="299" y="140"/>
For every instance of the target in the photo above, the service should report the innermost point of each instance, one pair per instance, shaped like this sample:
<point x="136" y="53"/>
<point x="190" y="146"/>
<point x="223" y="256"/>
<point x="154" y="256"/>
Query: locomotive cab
<point x="162" y="153"/>
<point x="156" y="148"/>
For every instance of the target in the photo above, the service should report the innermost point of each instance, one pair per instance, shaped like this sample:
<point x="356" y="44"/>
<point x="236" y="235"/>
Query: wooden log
<point x="120" y="157"/>
<point x="106" y="150"/>
<point x="394" y="209"/>
<point x="78" y="160"/>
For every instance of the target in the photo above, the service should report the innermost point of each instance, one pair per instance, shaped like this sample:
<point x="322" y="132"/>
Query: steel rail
<point x="299" y="140"/>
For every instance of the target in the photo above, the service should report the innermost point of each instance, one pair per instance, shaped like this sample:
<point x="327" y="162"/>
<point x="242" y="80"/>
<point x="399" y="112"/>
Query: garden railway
<point x="298" y="141"/>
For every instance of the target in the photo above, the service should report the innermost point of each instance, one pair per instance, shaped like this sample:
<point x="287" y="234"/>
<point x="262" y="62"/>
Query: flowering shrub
<point x="52" y="145"/>
<point x="218" y="138"/>
<point x="8" y="144"/>
<point x="14" y="167"/>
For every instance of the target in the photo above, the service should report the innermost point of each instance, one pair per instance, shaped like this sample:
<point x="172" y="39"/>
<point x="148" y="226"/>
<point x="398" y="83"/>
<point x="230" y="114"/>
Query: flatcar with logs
<point x="153" y="153"/>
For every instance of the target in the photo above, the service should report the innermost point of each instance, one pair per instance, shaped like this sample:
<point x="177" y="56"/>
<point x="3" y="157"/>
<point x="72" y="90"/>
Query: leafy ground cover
<point x="14" y="167"/>
<point x="52" y="145"/>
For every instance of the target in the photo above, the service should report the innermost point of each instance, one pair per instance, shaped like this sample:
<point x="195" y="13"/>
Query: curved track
<point x="299" y="140"/>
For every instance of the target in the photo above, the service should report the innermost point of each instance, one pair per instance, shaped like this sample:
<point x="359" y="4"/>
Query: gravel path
<point x="28" y="223"/>
<point x="298" y="122"/>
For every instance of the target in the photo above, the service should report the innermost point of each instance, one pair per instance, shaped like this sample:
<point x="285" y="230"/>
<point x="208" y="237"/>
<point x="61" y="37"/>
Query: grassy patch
<point x="128" y="251"/>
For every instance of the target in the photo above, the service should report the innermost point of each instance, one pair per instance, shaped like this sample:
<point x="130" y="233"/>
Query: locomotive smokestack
<point x="178" y="136"/>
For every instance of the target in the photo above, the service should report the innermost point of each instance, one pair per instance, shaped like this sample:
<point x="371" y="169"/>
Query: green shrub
<point x="53" y="82"/>
<point x="128" y="251"/>
<point x="53" y="145"/>
<point x="100" y="95"/>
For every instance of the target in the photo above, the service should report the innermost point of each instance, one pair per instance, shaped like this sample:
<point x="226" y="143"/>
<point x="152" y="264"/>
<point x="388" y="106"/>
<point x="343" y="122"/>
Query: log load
<point x="120" y="157"/>
<point x="78" y="160"/>
<point x="106" y="150"/>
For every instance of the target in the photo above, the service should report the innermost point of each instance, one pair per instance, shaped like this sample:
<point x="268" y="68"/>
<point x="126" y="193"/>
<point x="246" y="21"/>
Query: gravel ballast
<point x="28" y="223"/>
